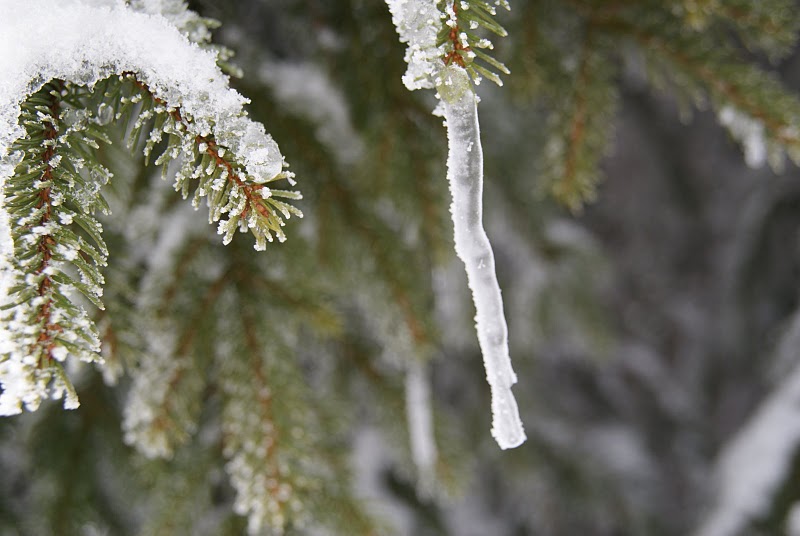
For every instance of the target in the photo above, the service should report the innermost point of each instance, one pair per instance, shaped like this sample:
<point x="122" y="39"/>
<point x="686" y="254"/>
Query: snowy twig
<point x="101" y="46"/>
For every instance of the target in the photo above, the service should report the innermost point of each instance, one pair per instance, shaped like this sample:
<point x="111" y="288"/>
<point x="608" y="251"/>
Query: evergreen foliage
<point x="263" y="364"/>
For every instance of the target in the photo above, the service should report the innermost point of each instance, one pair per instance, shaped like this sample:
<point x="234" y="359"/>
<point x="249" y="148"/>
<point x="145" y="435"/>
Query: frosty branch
<point x="55" y="105"/>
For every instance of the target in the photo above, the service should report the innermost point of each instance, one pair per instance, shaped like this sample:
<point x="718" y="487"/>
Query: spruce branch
<point x="267" y="432"/>
<point x="580" y="126"/>
<point x="462" y="46"/>
<point x="768" y="26"/>
<point x="751" y="103"/>
<point x="165" y="399"/>
<point x="57" y="247"/>
<point x="372" y="233"/>
<point x="250" y="204"/>
<point x="51" y="196"/>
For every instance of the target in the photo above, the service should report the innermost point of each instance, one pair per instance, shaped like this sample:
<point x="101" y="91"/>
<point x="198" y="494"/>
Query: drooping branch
<point x="108" y="57"/>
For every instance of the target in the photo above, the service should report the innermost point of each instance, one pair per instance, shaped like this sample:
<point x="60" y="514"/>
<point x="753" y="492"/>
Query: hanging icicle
<point x="465" y="174"/>
<point x="448" y="66"/>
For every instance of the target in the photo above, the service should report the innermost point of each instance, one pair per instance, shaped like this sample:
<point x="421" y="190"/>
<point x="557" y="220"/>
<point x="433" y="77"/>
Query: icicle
<point x="420" y="424"/>
<point x="465" y="174"/>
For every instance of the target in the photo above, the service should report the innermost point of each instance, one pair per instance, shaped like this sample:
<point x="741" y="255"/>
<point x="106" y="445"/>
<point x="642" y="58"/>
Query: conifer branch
<point x="567" y="190"/>
<point x="230" y="157"/>
<point x="52" y="207"/>
<point x="580" y="124"/>
<point x="765" y="26"/>
<point x="750" y="102"/>
<point x="259" y="210"/>
<point x="462" y="46"/>
<point x="388" y="269"/>
<point x="164" y="401"/>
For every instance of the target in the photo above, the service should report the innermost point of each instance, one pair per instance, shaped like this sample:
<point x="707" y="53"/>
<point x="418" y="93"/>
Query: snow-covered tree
<point x="330" y="383"/>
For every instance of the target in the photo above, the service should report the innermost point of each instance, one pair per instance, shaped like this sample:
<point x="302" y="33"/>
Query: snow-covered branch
<point x="77" y="67"/>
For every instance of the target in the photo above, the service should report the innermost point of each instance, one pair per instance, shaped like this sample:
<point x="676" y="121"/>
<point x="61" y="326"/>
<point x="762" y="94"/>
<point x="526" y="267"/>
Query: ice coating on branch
<point x="465" y="174"/>
<point x="97" y="41"/>
<point x="418" y="22"/>
<point x="6" y="252"/>
<point x="420" y="423"/>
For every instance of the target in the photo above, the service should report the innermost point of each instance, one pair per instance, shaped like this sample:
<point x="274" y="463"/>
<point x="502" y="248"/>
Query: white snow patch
<point x="418" y="22"/>
<point x="98" y="41"/>
<point x="749" y="132"/>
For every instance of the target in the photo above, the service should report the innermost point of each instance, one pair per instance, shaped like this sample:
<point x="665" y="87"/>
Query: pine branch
<point x="57" y="249"/>
<point x="165" y="400"/>
<point x="462" y="46"/>
<point x="373" y="233"/>
<point x="251" y="205"/>
<point x="580" y="126"/>
<point x="768" y="26"/>
<point x="751" y="103"/>
<point x="267" y="429"/>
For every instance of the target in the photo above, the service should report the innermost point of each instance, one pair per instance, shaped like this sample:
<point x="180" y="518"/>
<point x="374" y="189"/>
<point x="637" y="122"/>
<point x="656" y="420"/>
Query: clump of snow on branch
<point x="418" y="22"/>
<point x="749" y="132"/>
<point x="98" y="39"/>
<point x="465" y="174"/>
<point x="97" y="42"/>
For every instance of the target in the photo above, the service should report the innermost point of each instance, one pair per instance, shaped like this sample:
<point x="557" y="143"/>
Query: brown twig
<point x="46" y="339"/>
